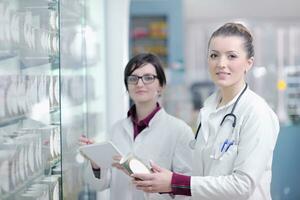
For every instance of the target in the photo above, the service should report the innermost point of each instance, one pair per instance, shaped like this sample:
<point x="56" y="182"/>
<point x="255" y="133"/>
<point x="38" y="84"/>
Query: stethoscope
<point x="227" y="143"/>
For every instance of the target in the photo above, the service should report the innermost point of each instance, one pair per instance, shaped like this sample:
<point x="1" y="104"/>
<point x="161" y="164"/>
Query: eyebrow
<point x="225" y="52"/>
<point x="143" y="74"/>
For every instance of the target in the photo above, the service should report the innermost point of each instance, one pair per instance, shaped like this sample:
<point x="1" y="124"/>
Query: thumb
<point x="155" y="167"/>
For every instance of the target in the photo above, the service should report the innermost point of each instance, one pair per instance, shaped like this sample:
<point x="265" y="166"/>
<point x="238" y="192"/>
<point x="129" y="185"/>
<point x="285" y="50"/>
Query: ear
<point x="160" y="89"/>
<point x="250" y="63"/>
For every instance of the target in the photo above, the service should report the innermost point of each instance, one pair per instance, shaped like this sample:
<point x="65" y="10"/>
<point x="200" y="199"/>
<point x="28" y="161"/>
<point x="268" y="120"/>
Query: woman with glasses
<point x="148" y="131"/>
<point x="237" y="133"/>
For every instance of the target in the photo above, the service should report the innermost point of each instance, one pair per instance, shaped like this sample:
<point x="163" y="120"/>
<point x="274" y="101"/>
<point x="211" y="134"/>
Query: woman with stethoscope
<point x="234" y="143"/>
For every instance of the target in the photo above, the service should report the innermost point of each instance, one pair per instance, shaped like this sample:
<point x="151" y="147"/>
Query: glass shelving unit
<point x="52" y="90"/>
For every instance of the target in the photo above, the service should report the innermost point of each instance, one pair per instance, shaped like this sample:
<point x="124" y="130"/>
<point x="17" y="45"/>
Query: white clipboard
<point x="101" y="153"/>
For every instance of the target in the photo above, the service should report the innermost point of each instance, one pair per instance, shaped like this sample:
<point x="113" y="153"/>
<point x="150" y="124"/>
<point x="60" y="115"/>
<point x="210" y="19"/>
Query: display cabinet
<point x="51" y="91"/>
<point x="149" y="34"/>
<point x="157" y="27"/>
<point x="292" y="74"/>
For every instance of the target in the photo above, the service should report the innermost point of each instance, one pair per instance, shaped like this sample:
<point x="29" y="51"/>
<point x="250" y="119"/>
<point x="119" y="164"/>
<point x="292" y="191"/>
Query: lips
<point x="223" y="73"/>
<point x="140" y="91"/>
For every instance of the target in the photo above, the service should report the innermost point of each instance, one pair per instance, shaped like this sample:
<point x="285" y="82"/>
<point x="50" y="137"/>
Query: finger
<point x="120" y="167"/>
<point x="146" y="189"/>
<point x="141" y="188"/>
<point x="91" y="141"/>
<point x="139" y="183"/>
<point x="117" y="158"/>
<point x="154" y="170"/>
<point x="143" y="176"/>
<point x="81" y="143"/>
<point x="149" y="190"/>
<point x="136" y="181"/>
<point x="117" y="165"/>
<point x="84" y="140"/>
<point x="155" y="167"/>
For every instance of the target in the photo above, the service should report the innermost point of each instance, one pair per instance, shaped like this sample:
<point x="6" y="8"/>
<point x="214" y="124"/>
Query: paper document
<point x="100" y="153"/>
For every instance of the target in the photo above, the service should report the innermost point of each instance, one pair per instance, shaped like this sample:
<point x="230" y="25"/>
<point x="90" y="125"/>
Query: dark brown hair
<point x="142" y="59"/>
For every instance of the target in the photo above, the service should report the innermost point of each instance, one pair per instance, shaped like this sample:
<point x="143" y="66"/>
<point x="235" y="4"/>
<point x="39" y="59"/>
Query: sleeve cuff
<point x="181" y="184"/>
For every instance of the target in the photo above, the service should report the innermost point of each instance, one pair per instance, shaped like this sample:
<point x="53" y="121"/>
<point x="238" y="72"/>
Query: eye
<point x="148" y="77"/>
<point x="232" y="56"/>
<point x="213" y="55"/>
<point x="132" y="78"/>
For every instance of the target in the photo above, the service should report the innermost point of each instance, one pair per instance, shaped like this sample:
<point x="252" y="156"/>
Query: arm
<point x="98" y="178"/>
<point x="98" y="184"/>
<point x="183" y="154"/>
<point x="181" y="163"/>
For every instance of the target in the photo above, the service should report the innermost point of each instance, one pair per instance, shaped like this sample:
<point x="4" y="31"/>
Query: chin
<point x="222" y="83"/>
<point x="141" y="100"/>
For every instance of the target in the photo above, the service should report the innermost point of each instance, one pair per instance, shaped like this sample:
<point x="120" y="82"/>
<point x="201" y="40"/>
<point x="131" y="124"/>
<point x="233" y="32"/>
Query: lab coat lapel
<point x="128" y="127"/>
<point x="209" y="106"/>
<point x="203" y="130"/>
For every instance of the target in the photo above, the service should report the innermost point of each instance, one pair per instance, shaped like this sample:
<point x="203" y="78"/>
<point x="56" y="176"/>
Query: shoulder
<point x="209" y="100"/>
<point x="256" y="103"/>
<point x="174" y="120"/>
<point x="176" y="125"/>
<point x="256" y="108"/>
<point x="119" y="124"/>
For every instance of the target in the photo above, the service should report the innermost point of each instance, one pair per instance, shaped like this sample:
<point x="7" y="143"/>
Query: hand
<point x="117" y="164"/>
<point x="158" y="181"/>
<point x="83" y="140"/>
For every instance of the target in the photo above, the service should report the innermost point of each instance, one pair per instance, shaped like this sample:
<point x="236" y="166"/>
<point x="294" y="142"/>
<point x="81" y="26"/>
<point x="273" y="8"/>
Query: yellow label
<point x="281" y="85"/>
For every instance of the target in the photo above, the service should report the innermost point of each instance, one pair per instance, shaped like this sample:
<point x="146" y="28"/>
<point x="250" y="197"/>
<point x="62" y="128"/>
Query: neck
<point x="144" y="109"/>
<point x="228" y="93"/>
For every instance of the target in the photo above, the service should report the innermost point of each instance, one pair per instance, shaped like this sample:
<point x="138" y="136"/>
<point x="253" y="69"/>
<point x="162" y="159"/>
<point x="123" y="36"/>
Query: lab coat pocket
<point x="230" y="154"/>
<point x="224" y="161"/>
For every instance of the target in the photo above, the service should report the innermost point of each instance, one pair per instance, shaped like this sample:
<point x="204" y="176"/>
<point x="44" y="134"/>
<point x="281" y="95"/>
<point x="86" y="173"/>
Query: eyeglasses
<point x="147" y="79"/>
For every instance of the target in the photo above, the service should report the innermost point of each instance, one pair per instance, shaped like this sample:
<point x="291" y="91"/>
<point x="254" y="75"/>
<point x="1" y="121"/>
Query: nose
<point x="140" y="82"/>
<point x="222" y="62"/>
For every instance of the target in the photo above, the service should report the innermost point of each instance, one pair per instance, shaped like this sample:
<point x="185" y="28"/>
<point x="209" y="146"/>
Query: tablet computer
<point x="100" y="153"/>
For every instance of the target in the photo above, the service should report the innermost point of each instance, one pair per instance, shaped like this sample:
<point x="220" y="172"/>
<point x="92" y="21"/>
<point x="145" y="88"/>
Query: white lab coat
<point x="244" y="171"/>
<point x="165" y="141"/>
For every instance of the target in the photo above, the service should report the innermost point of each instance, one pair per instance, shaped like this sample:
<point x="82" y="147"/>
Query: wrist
<point x="181" y="184"/>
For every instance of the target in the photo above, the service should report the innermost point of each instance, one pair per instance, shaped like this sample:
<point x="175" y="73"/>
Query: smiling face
<point x="228" y="61"/>
<point x="144" y="93"/>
